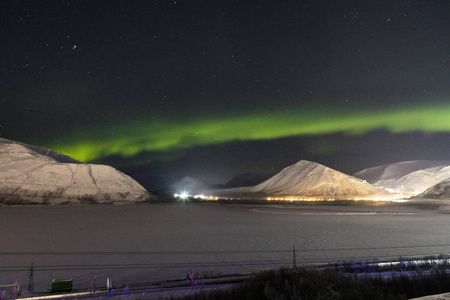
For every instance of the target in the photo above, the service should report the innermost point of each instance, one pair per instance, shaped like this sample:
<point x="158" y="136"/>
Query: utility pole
<point x="31" y="280"/>
<point x="294" y="261"/>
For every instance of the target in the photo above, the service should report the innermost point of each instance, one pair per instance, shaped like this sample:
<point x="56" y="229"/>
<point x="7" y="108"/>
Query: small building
<point x="59" y="286"/>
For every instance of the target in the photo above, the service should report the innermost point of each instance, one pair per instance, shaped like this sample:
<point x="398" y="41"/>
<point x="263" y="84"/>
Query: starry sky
<point x="164" y="89"/>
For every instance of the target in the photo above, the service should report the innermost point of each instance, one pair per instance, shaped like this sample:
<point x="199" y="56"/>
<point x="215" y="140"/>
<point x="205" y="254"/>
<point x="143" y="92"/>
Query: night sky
<point x="160" y="89"/>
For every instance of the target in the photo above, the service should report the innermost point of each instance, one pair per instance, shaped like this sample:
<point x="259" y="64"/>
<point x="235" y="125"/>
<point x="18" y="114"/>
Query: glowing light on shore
<point x="299" y="198"/>
<point x="291" y="199"/>
<point x="183" y="195"/>
<point x="307" y="199"/>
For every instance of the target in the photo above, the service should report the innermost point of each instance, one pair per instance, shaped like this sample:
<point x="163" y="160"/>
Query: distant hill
<point x="31" y="174"/>
<point x="311" y="179"/>
<point x="247" y="179"/>
<point x="408" y="177"/>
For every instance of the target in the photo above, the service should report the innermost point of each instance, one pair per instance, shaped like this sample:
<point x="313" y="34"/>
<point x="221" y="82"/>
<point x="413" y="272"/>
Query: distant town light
<point x="184" y="195"/>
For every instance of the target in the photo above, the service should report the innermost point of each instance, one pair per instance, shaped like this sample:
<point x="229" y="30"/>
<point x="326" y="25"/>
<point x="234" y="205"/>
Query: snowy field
<point x="151" y="242"/>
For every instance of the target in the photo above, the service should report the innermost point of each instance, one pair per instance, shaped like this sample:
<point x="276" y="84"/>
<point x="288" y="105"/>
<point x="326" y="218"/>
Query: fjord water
<point x="146" y="243"/>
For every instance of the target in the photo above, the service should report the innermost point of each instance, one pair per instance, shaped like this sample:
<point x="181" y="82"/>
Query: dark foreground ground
<point x="401" y="279"/>
<point x="330" y="283"/>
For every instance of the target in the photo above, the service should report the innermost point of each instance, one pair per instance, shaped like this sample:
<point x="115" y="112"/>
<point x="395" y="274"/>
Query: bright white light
<point x="184" y="195"/>
<point x="400" y="200"/>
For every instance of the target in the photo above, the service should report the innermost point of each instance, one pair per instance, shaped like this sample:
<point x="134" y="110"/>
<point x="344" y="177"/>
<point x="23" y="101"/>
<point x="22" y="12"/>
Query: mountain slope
<point x="310" y="179"/>
<point x="408" y="177"/>
<point x="397" y="170"/>
<point x="440" y="190"/>
<point x="27" y="176"/>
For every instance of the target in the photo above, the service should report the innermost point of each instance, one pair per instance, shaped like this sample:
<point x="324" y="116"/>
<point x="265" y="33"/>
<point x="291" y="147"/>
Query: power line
<point x="206" y="252"/>
<point x="137" y="253"/>
<point x="144" y="265"/>
<point x="201" y="263"/>
<point x="198" y="264"/>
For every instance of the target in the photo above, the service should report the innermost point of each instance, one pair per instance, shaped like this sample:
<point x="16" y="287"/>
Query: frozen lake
<point x="153" y="242"/>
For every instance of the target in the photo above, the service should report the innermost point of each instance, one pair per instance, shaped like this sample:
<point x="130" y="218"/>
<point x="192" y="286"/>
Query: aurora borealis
<point x="216" y="88"/>
<point x="135" y="137"/>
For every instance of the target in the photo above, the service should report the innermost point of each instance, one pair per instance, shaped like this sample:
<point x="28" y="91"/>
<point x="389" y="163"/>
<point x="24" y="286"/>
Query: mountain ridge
<point x="311" y="179"/>
<point x="407" y="177"/>
<point x="29" y="177"/>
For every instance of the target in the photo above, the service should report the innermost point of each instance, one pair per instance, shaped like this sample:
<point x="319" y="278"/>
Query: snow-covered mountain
<point x="408" y="177"/>
<point x="31" y="176"/>
<point x="310" y="179"/>
<point x="397" y="170"/>
<point x="437" y="191"/>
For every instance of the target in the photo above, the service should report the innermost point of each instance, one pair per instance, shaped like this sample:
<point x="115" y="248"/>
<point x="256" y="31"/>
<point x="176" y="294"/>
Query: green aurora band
<point x="130" y="138"/>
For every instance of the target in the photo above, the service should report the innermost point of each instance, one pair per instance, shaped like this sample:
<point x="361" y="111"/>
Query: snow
<point x="409" y="177"/>
<point x="440" y="190"/>
<point x="27" y="176"/>
<point x="310" y="179"/>
<point x="31" y="174"/>
<point x="397" y="170"/>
